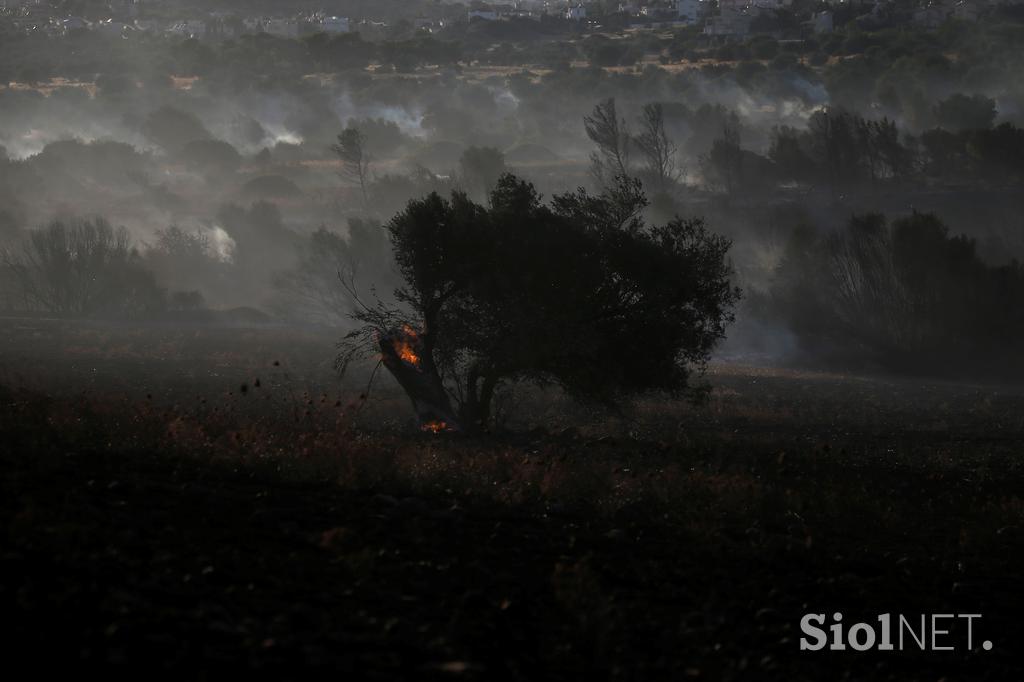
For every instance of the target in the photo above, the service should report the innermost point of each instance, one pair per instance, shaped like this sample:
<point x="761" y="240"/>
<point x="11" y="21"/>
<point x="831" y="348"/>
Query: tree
<point x="895" y="159"/>
<point x="723" y="165"/>
<point x="480" y="168"/>
<point x="213" y="158"/>
<point x="192" y="261"/>
<point x="658" y="150"/>
<point x="325" y="284"/>
<point x="172" y="128"/>
<point x="611" y="135"/>
<point x="945" y="153"/>
<point x="834" y="142"/>
<point x="904" y="294"/>
<point x="83" y="268"/>
<point x="880" y="148"/>
<point x="176" y="243"/>
<point x="579" y="293"/>
<point x="998" y="153"/>
<point x="355" y="161"/>
<point x="961" y="112"/>
<point x="788" y="153"/>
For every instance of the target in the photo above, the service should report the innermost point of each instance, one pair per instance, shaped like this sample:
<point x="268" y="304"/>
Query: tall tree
<point x="723" y="165"/>
<point x="355" y="160"/>
<point x="611" y="135"/>
<point x="658" y="150"/>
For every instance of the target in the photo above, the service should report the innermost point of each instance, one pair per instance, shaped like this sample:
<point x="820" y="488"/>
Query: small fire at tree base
<point x="406" y="355"/>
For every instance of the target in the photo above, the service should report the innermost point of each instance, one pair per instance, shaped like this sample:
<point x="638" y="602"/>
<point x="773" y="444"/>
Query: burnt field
<point x="186" y="502"/>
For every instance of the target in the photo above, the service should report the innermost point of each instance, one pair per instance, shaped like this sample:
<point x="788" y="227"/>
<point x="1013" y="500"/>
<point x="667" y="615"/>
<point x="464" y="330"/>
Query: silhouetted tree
<point x="211" y="157"/>
<point x="789" y="152"/>
<point x="83" y="268"/>
<point x="905" y="294"/>
<point x="579" y="293"/>
<point x="723" y="166"/>
<point x="334" y="272"/>
<point x="833" y="139"/>
<point x="611" y="135"/>
<point x="658" y="150"/>
<point x="962" y="112"/>
<point x="479" y="170"/>
<point x="355" y="160"/>
<point x="173" y="128"/>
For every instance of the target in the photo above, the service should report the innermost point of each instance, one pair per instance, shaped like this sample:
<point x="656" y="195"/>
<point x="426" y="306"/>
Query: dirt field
<point x="189" y="502"/>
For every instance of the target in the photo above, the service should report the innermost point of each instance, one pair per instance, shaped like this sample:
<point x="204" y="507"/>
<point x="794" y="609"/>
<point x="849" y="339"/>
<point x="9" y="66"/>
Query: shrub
<point x="902" y="295"/>
<point x="83" y="268"/>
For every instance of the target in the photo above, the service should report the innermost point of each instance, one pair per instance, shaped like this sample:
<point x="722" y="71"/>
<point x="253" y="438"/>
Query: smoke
<point x="221" y="243"/>
<point x="278" y="134"/>
<point x="408" y="119"/>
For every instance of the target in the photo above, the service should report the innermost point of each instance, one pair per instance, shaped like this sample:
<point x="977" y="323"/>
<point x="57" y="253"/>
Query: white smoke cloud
<point x="222" y="243"/>
<point x="408" y="120"/>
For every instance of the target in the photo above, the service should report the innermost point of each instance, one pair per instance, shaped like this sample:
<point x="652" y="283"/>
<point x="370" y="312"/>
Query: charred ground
<point x="202" y="500"/>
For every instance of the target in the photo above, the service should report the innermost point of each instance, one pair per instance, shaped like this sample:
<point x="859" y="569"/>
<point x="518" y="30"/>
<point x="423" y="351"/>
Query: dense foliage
<point x="904" y="295"/>
<point x="579" y="292"/>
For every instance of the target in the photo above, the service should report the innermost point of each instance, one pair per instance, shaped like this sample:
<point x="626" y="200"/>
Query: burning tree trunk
<point x="405" y="356"/>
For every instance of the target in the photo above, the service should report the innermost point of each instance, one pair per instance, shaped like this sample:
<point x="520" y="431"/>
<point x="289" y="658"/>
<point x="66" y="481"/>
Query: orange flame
<point x="435" y="427"/>
<point x="404" y="346"/>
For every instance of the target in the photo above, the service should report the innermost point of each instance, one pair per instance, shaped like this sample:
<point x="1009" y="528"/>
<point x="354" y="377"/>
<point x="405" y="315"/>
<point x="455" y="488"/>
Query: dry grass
<point x="666" y="541"/>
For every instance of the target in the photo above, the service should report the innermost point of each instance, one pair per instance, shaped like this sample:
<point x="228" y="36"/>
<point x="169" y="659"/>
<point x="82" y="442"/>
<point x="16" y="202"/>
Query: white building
<point x="110" y="28"/>
<point x="932" y="16"/>
<point x="484" y="14"/>
<point x="73" y="24"/>
<point x="282" y="28"/>
<point x="688" y="10"/>
<point x="190" y="29"/>
<point x="729" y="23"/>
<point x="821" y="22"/>
<point x="967" y="10"/>
<point x="334" y="25"/>
<point x="576" y="13"/>
<point x="148" y="25"/>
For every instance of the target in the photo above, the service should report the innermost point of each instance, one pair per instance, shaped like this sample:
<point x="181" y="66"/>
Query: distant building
<point x="688" y="10"/>
<point x="483" y="14"/>
<point x="334" y="25"/>
<point x="967" y="10"/>
<point x="148" y="25"/>
<point x="576" y="13"/>
<point x="932" y="16"/>
<point x="282" y="28"/>
<point x="729" y="24"/>
<point x="73" y="24"/>
<point x="110" y="28"/>
<point x="822" y="22"/>
<point x="189" y="29"/>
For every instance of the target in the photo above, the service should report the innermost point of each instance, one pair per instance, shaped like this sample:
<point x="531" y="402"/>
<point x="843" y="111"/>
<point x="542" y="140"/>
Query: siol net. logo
<point x="934" y="632"/>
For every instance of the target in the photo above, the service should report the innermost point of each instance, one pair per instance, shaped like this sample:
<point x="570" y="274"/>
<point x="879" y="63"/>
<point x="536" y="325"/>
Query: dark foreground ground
<point x="190" y="505"/>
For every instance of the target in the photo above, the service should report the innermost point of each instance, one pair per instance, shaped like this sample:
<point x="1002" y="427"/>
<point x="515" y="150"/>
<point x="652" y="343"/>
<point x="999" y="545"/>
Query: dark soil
<point x="128" y="550"/>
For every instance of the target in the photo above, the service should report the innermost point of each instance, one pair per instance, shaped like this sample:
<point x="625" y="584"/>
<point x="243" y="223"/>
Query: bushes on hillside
<point x="904" y="295"/>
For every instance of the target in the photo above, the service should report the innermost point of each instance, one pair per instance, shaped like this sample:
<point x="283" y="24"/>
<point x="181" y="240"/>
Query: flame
<point x="435" y="427"/>
<point x="404" y="346"/>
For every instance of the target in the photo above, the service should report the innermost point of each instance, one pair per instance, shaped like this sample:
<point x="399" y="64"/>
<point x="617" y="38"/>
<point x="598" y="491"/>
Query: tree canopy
<point x="580" y="293"/>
